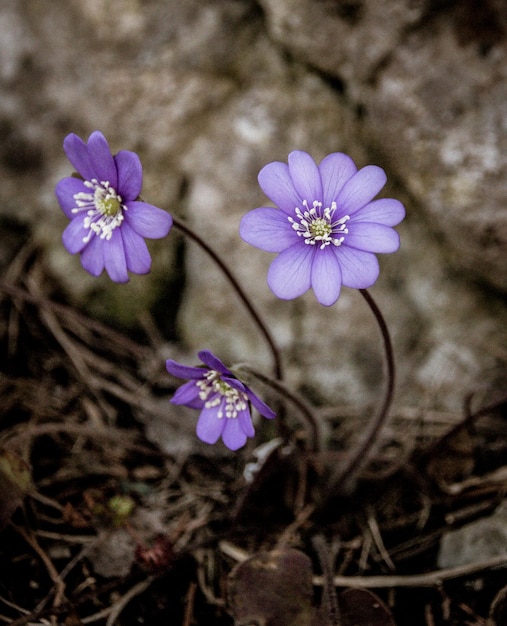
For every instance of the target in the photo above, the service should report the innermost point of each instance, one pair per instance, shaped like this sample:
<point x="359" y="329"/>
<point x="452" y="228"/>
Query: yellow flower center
<point x="222" y="395"/>
<point x="318" y="226"/>
<point x="103" y="207"/>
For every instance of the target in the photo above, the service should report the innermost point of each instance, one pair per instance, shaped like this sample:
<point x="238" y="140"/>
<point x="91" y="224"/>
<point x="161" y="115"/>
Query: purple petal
<point x="326" y="276"/>
<point x="234" y="382"/>
<point x="102" y="159"/>
<point x="197" y="403"/>
<point x="74" y="234"/>
<point x="136" y="251"/>
<point x="289" y="273"/>
<point x="148" y="220"/>
<point x="245" y="421"/>
<point x="130" y="175"/>
<point x="65" y="190"/>
<point x="77" y="153"/>
<point x="359" y="269"/>
<point x="387" y="211"/>
<point x="260" y="405"/>
<point x="372" y="237"/>
<point x="114" y="258"/>
<point x="268" y="229"/>
<point x="305" y="176"/>
<point x="361" y="188"/>
<point x="92" y="256"/>
<point x="335" y="170"/>
<point x="233" y="435"/>
<point x="187" y="394"/>
<point x="209" y="426"/>
<point x="213" y="362"/>
<point x="275" y="181"/>
<point x="184" y="371"/>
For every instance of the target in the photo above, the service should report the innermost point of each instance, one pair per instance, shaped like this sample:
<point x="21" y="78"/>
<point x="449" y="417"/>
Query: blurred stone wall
<point x="207" y="92"/>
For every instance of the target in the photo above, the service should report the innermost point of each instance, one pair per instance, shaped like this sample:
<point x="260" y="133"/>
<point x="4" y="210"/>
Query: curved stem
<point x="470" y="418"/>
<point x="358" y="458"/>
<point x="287" y="394"/>
<point x="277" y="364"/>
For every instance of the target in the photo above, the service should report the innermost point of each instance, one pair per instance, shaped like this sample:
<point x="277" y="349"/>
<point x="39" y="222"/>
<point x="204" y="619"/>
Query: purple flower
<point x="223" y="399"/>
<point x="108" y="224"/>
<point x="326" y="228"/>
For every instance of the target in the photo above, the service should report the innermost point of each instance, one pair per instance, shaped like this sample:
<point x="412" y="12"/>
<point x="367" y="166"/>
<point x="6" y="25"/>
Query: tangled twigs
<point x="113" y="612"/>
<point x="55" y="577"/>
<point x="470" y="418"/>
<point x="80" y="324"/>
<point x="68" y="606"/>
<point x="295" y="399"/>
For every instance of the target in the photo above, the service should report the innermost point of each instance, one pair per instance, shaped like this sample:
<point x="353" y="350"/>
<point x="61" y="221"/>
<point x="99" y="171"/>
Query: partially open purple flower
<point x="108" y="224"/>
<point x="327" y="226"/>
<point x="224" y="401"/>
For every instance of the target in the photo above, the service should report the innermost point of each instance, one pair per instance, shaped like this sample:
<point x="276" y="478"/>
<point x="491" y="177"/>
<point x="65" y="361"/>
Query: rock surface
<point x="477" y="541"/>
<point x="207" y="93"/>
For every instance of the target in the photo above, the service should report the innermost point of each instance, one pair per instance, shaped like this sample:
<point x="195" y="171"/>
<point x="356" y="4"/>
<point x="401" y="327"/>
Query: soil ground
<point x="100" y="525"/>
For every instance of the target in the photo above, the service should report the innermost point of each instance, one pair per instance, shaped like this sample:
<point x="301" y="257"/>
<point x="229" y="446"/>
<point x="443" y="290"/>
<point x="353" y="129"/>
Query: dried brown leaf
<point x="498" y="611"/>
<point x="272" y="589"/>
<point x="360" y="607"/>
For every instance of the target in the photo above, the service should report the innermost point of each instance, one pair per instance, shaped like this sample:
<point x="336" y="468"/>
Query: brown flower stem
<point x="470" y="417"/>
<point x="343" y="483"/>
<point x="277" y="363"/>
<point x="288" y="395"/>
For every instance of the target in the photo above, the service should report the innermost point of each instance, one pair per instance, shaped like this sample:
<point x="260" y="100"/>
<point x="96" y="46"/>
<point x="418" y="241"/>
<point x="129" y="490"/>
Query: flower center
<point x="222" y="395"/>
<point x="318" y="226"/>
<point x="103" y="207"/>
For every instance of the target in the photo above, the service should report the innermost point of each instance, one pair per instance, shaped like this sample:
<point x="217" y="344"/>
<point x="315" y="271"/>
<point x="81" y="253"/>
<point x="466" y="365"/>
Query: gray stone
<point x="431" y="87"/>
<point x="475" y="542"/>
<point x="113" y="553"/>
<point x="209" y="92"/>
<point x="347" y="40"/>
<point x="440" y="110"/>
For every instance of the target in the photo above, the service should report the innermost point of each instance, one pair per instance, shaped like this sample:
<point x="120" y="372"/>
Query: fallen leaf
<point x="360" y="607"/>
<point x="272" y="589"/>
<point x="498" y="611"/>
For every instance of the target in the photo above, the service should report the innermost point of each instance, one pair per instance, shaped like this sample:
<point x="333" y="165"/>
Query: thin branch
<point x="80" y="319"/>
<point x="343" y="483"/>
<point x="59" y="585"/>
<point x="284" y="392"/>
<point x="437" y="445"/>
<point x="427" y="579"/>
<point x="277" y="363"/>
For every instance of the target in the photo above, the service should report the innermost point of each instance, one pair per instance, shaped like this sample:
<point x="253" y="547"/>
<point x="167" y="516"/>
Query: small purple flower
<point x="326" y="227"/>
<point x="224" y="401"/>
<point x="108" y="224"/>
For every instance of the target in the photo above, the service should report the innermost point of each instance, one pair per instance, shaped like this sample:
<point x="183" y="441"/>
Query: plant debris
<point x="104" y="524"/>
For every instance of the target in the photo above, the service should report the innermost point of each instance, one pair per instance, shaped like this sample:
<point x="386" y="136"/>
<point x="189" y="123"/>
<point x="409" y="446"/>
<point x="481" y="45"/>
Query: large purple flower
<point x="327" y="226"/>
<point x="224" y="401"/>
<point x="108" y="224"/>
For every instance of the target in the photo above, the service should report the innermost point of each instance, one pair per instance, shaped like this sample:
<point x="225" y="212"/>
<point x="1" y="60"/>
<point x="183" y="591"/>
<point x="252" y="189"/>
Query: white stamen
<point x="212" y="384"/>
<point x="103" y="207"/>
<point x="316" y="226"/>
